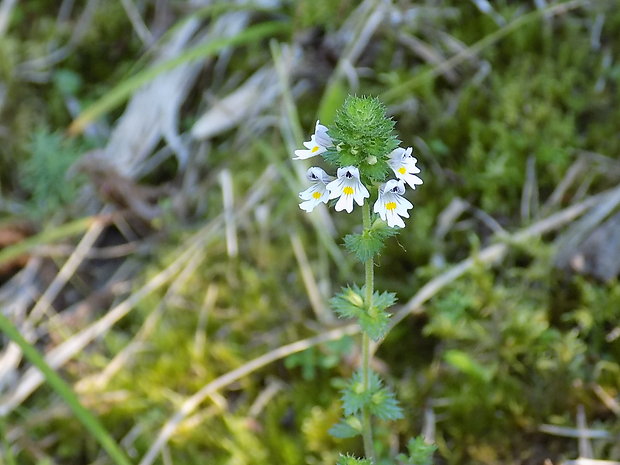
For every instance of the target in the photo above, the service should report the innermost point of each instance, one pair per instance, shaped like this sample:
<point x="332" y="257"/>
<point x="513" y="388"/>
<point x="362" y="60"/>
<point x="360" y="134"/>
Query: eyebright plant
<point x="363" y="151"/>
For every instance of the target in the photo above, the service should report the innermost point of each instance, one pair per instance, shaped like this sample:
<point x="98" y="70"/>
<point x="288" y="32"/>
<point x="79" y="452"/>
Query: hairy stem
<point x="369" y="448"/>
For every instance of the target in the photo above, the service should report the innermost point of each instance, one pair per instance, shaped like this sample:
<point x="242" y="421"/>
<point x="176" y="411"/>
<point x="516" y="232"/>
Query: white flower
<point x="404" y="166"/>
<point x="391" y="205"/>
<point x="316" y="193"/>
<point x="319" y="142"/>
<point x="321" y="136"/>
<point x="349" y="188"/>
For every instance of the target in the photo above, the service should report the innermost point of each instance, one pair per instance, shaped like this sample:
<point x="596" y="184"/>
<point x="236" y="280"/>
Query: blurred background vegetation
<point x="151" y="240"/>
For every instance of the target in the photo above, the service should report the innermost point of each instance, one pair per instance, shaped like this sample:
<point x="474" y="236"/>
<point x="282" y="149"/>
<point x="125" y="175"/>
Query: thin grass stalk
<point x="90" y="422"/>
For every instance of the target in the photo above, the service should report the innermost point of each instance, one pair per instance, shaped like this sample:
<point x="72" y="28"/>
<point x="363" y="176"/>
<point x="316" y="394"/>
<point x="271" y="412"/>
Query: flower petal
<point x="345" y="202"/>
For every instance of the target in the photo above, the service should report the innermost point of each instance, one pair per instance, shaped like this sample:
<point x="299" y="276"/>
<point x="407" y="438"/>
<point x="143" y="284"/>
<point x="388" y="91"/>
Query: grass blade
<point x="123" y="91"/>
<point x="45" y="237"/>
<point x="90" y="422"/>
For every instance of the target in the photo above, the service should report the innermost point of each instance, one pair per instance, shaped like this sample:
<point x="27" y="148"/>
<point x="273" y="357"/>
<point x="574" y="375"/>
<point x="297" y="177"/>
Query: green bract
<point x="348" y="460"/>
<point x="363" y="136"/>
<point x="378" y="399"/>
<point x="374" y="320"/>
<point x="370" y="242"/>
<point x="347" y="427"/>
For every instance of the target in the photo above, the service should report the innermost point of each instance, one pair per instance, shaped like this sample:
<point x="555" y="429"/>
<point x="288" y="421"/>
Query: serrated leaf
<point x="347" y="428"/>
<point x="350" y="460"/>
<point x="354" y="397"/>
<point x="349" y="303"/>
<point x="385" y="405"/>
<point x="379" y="399"/>
<point x="384" y="300"/>
<point x="374" y="323"/>
<point x="364" y="246"/>
<point x="370" y="242"/>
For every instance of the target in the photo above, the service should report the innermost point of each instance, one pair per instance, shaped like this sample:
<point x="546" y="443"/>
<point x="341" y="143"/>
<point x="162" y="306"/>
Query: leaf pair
<point x="373" y="318"/>
<point x="370" y="242"/>
<point x="379" y="399"/>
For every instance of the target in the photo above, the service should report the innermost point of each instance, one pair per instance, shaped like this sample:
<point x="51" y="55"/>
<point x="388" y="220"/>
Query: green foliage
<point x="498" y="345"/>
<point x="374" y="320"/>
<point x="349" y="460"/>
<point x="319" y="358"/>
<point x="371" y="241"/>
<point x="420" y="452"/>
<point x="495" y="344"/>
<point x="45" y="173"/>
<point x="323" y="13"/>
<point x="463" y="362"/>
<point x="379" y="399"/>
<point x="348" y="427"/>
<point x="364" y="137"/>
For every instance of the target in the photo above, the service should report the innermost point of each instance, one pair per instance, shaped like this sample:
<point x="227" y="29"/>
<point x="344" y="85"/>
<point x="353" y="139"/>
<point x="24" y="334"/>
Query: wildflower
<point x="349" y="188"/>
<point x="404" y="166"/>
<point x="319" y="142"/>
<point x="316" y="193"/>
<point x="321" y="136"/>
<point x="391" y="205"/>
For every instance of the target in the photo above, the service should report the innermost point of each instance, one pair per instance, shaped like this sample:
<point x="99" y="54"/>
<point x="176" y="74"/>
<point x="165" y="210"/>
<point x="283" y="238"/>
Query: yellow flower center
<point x="402" y="170"/>
<point x="314" y="149"/>
<point x="316" y="195"/>
<point x="348" y="190"/>
<point x="390" y="205"/>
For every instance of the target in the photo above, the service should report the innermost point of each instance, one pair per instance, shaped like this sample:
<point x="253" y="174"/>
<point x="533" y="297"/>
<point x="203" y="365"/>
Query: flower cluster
<point x="348" y="187"/>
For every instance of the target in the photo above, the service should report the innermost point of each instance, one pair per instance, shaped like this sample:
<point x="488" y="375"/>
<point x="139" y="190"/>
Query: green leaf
<point x="349" y="303"/>
<point x="420" y="452"/>
<point x="347" y="428"/>
<point x="370" y="242"/>
<point x="374" y="321"/>
<point x="385" y="405"/>
<point x="379" y="399"/>
<point x="349" y="460"/>
<point x="384" y="300"/>
<point x="354" y="397"/>
<point x="306" y="360"/>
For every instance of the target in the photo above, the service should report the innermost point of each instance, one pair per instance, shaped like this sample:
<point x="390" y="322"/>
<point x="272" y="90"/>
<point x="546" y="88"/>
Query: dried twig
<point x="58" y="356"/>
<point x="221" y="382"/>
<point x="323" y="314"/>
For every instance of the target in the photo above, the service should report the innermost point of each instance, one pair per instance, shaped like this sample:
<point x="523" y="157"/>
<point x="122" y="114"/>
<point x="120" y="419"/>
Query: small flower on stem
<point x="349" y="188"/>
<point x="391" y="205"/>
<point x="318" y="144"/>
<point x="317" y="193"/>
<point x="404" y="166"/>
<point x="321" y="136"/>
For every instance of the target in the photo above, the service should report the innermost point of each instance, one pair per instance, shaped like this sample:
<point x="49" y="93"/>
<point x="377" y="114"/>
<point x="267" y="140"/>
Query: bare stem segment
<point x="369" y="449"/>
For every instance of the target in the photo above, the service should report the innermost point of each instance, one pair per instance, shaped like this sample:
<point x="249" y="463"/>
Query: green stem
<point x="87" y="419"/>
<point x="369" y="448"/>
